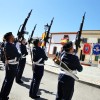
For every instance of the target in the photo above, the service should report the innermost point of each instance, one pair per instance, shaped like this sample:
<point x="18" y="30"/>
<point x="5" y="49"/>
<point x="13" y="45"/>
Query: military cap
<point x="7" y="35"/>
<point x="68" y="45"/>
<point x="35" y="41"/>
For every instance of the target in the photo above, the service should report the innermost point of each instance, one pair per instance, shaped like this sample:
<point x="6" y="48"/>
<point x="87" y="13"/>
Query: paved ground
<point x="48" y="88"/>
<point x="90" y="74"/>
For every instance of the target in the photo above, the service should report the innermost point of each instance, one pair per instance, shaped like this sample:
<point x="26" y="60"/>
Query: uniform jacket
<point x="11" y="51"/>
<point x="23" y="49"/>
<point x="39" y="53"/>
<point x="71" y="61"/>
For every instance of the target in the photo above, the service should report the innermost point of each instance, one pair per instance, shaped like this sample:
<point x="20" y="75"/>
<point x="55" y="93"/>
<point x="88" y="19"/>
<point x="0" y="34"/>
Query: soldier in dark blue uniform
<point x="3" y="56"/>
<point x="39" y="57"/>
<point x="22" y="62"/>
<point x="65" y="82"/>
<point x="11" y="57"/>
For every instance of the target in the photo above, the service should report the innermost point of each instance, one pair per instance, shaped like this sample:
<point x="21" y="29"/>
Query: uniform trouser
<point x="20" y="69"/>
<point x="8" y="81"/>
<point x="65" y="87"/>
<point x="37" y="76"/>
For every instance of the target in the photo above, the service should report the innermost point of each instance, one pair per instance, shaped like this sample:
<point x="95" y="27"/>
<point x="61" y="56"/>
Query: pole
<point x="90" y="59"/>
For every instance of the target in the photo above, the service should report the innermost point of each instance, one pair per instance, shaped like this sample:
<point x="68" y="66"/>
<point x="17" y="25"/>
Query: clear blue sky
<point x="67" y="13"/>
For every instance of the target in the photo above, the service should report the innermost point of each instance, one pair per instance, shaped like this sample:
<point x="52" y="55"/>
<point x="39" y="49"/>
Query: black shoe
<point x="20" y="82"/>
<point x="35" y="97"/>
<point x="7" y="98"/>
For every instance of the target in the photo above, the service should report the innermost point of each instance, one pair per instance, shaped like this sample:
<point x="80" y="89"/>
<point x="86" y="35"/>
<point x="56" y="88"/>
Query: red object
<point x="87" y="48"/>
<point x="86" y="64"/>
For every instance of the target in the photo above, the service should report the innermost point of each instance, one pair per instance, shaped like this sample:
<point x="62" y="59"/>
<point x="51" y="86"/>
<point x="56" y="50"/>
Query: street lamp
<point x="46" y="27"/>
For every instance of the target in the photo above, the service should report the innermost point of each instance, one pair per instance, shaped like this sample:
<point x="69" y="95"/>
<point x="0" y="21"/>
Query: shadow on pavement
<point x="25" y="85"/>
<point x="26" y="79"/>
<point x="46" y="91"/>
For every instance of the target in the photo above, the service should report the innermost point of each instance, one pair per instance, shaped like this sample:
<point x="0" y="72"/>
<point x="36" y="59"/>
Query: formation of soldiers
<point x="14" y="57"/>
<point x="15" y="60"/>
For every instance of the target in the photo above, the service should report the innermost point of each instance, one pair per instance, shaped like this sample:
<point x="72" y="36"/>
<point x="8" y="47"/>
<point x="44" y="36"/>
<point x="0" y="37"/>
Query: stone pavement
<point x="89" y="75"/>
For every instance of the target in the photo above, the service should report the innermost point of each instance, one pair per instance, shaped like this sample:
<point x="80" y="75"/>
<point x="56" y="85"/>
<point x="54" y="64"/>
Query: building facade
<point x="55" y="44"/>
<point x="89" y="36"/>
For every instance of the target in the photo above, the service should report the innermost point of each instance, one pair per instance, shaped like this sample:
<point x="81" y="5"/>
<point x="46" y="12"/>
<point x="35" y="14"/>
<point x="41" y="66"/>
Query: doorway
<point x="54" y="50"/>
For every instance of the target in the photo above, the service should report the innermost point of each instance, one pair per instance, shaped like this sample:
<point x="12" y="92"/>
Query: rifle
<point x="30" y="40"/>
<point x="78" y="36"/>
<point x="21" y="30"/>
<point x="46" y="37"/>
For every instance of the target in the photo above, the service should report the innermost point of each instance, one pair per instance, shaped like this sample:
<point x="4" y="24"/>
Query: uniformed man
<point x="39" y="57"/>
<point x="11" y="58"/>
<point x="1" y="54"/>
<point x="22" y="62"/>
<point x="65" y="82"/>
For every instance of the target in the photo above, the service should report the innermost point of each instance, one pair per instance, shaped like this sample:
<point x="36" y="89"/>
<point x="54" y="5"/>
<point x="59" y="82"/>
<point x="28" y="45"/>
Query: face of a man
<point x="23" y="41"/>
<point x="72" y="50"/>
<point x="12" y="38"/>
<point x="39" y="43"/>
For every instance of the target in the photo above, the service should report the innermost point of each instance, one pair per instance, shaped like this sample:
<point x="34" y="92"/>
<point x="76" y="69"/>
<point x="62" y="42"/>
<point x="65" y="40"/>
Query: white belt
<point x="23" y="56"/>
<point x="71" y="74"/>
<point x="38" y="63"/>
<point x="66" y="73"/>
<point x="13" y="61"/>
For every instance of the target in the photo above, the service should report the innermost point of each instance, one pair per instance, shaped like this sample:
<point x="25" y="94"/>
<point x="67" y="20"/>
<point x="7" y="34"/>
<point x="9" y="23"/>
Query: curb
<point x="80" y="81"/>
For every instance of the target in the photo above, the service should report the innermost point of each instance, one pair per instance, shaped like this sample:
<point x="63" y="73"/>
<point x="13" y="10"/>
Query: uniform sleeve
<point x="44" y="55"/>
<point x="12" y="52"/>
<point x="39" y="53"/>
<point x="72" y="62"/>
<point x="77" y="64"/>
<point x="18" y="47"/>
<point x="24" y="50"/>
<point x="34" y="54"/>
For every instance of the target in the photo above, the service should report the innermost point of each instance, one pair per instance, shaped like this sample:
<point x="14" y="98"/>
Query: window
<point x="84" y="40"/>
<point x="99" y="40"/>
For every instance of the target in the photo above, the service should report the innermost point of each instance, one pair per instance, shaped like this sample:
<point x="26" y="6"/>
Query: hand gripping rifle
<point x="46" y="34"/>
<point x="21" y="30"/>
<point x="78" y="36"/>
<point x="30" y="41"/>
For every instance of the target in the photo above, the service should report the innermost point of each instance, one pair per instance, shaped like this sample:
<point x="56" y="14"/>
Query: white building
<point x="89" y="36"/>
<point x="55" y="41"/>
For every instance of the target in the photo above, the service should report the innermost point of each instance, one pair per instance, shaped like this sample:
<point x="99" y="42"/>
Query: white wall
<point x="55" y="45"/>
<point x="92" y="40"/>
<point x="56" y="38"/>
